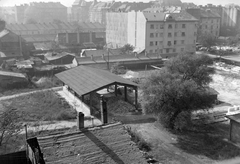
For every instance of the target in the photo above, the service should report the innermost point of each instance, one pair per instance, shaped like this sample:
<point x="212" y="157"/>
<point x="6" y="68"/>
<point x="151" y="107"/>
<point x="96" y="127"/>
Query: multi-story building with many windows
<point x="152" y="32"/>
<point x="209" y="21"/>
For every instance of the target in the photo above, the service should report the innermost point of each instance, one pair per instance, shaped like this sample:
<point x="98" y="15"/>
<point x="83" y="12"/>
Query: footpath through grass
<point x="41" y="106"/>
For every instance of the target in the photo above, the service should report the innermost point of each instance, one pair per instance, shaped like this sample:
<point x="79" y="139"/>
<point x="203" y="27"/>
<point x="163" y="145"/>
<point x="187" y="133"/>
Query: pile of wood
<point x="118" y="105"/>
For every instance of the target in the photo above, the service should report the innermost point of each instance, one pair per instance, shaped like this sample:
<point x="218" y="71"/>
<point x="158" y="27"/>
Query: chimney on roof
<point x="103" y="56"/>
<point x="91" y="57"/>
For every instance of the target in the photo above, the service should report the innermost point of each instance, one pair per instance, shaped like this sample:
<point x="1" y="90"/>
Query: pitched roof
<point x="163" y="16"/>
<point x="201" y="13"/>
<point x="183" y="16"/>
<point x="83" y="79"/>
<point x="154" y="16"/>
<point x="107" y="144"/>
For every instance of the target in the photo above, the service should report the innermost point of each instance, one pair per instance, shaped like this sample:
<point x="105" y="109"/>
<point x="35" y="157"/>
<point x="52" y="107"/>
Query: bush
<point x="183" y="121"/>
<point x="141" y="143"/>
<point x="66" y="115"/>
<point x="117" y="69"/>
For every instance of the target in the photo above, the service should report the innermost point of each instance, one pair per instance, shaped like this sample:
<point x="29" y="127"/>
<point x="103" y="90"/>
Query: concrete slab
<point x="74" y="102"/>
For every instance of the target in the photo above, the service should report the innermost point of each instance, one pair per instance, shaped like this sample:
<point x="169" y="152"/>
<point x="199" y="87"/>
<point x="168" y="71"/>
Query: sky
<point x="68" y="3"/>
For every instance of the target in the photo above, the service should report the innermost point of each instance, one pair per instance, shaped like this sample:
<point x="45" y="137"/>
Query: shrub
<point x="66" y="115"/>
<point x="118" y="69"/>
<point x="140" y="142"/>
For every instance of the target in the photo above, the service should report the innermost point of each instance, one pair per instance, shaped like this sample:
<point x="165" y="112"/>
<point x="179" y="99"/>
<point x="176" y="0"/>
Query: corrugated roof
<point x="84" y="80"/>
<point x="90" y="53"/>
<point x="53" y="56"/>
<point x="109" y="144"/>
<point x="154" y="16"/>
<point x="201" y="13"/>
<point x="235" y="117"/>
<point x="3" y="33"/>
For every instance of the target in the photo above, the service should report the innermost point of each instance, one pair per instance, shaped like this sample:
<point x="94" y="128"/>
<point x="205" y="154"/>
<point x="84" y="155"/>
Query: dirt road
<point x="163" y="146"/>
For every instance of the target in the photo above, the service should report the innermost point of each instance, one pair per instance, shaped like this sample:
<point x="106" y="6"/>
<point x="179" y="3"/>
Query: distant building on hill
<point x="45" y="12"/>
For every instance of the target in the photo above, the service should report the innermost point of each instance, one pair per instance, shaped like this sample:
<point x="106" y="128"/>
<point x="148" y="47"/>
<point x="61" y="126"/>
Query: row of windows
<point x="206" y="26"/>
<point x="169" y="34"/>
<point x="169" y="43"/>
<point x="161" y="26"/>
<point x="212" y="21"/>
<point x="167" y="50"/>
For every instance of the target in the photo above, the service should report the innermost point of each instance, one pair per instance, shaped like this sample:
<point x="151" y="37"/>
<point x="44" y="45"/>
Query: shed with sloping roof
<point x="234" y="132"/>
<point x="83" y="80"/>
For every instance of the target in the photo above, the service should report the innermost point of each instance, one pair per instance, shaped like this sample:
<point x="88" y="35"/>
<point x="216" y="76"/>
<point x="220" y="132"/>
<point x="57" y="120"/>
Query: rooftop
<point x="177" y="16"/>
<point x="201" y="13"/>
<point x="53" y="56"/>
<point x="83" y="79"/>
<point x="235" y="117"/>
<point x="109" y="144"/>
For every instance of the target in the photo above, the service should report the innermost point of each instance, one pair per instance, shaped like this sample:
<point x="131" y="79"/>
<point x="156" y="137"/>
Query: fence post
<point x="80" y="120"/>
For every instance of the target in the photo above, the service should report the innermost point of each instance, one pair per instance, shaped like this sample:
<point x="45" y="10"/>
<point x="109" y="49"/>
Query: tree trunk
<point x="173" y="118"/>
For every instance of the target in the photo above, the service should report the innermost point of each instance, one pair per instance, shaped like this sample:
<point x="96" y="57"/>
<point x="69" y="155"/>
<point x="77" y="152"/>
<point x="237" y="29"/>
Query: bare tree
<point x="9" y="127"/>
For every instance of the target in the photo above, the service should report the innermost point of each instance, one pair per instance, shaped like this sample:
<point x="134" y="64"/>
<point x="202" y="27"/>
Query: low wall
<point x="77" y="102"/>
<point x="130" y="65"/>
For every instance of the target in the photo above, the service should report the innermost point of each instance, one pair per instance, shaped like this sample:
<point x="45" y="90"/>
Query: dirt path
<point x="163" y="146"/>
<point x="27" y="93"/>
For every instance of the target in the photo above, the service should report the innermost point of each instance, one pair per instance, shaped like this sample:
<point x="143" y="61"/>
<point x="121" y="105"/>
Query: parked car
<point x="203" y="49"/>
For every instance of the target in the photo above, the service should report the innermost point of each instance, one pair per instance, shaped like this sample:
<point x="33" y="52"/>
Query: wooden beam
<point x="136" y="98"/>
<point x="230" y="131"/>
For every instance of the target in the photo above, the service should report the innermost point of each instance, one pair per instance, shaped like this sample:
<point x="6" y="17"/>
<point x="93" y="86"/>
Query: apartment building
<point x="152" y="32"/>
<point x="231" y="16"/>
<point x="45" y="12"/>
<point x="80" y="11"/>
<point x="209" y="21"/>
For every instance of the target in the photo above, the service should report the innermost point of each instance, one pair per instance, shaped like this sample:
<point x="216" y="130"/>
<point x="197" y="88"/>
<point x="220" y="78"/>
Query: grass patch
<point x="48" y="82"/>
<point x="42" y="106"/>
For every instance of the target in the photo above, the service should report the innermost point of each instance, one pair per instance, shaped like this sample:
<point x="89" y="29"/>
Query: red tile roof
<point x="83" y="79"/>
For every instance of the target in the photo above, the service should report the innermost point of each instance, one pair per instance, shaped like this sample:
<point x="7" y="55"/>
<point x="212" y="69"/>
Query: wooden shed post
<point x="82" y="98"/>
<point x="80" y="120"/>
<point x="91" y="102"/>
<point x="136" y="98"/>
<point x="230" y="131"/>
<point x="115" y="90"/>
<point x="103" y="106"/>
<point x="125" y="93"/>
